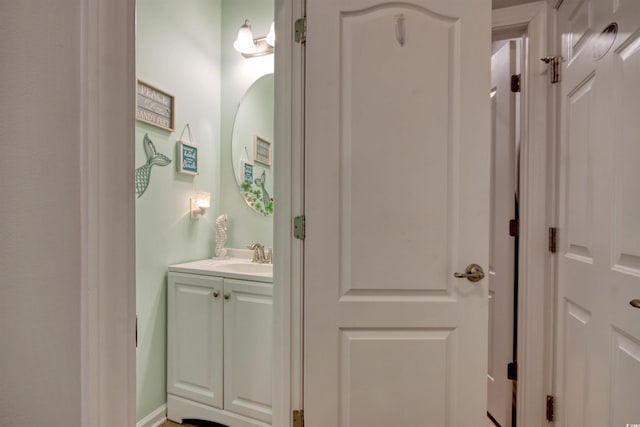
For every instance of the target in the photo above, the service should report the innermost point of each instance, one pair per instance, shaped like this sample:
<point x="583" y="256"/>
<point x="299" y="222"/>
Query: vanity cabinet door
<point x="248" y="313"/>
<point x="194" y="338"/>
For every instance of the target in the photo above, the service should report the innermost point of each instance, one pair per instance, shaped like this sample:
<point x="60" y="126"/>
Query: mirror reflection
<point x="252" y="146"/>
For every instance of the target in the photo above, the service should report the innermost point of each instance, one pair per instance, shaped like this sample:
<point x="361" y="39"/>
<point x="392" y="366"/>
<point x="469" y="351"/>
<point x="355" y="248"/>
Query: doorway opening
<point x="205" y="334"/>
<point x="506" y="72"/>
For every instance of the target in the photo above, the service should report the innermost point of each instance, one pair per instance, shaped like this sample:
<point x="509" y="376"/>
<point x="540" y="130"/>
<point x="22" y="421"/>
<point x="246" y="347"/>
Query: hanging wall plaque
<point x="262" y="151"/>
<point x="155" y="106"/>
<point x="187" y="154"/>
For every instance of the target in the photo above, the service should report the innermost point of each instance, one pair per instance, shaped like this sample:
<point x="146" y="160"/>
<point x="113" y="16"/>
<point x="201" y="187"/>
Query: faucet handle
<point x="258" y="252"/>
<point x="269" y="259"/>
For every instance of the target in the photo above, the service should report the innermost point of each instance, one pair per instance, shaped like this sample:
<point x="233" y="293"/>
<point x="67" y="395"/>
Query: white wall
<point x="40" y="213"/>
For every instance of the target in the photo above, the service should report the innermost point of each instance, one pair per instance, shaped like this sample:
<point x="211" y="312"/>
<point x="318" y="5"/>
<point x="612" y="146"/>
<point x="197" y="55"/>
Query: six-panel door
<point x="598" y="351"/>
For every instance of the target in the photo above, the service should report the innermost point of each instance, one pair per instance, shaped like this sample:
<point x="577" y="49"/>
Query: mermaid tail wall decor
<point x="260" y="183"/>
<point x="143" y="173"/>
<point x="256" y="195"/>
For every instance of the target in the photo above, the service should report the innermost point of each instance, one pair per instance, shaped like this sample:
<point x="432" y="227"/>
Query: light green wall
<point x="238" y="74"/>
<point x="185" y="49"/>
<point x="178" y="50"/>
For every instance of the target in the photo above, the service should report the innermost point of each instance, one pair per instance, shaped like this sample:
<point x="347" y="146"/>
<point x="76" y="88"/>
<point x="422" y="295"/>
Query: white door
<point x="248" y="331"/>
<point x="502" y="250"/>
<point x="599" y="217"/>
<point x="397" y="200"/>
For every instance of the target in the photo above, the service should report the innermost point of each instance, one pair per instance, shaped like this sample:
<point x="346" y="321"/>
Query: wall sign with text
<point x="155" y="106"/>
<point x="187" y="158"/>
<point x="262" y="151"/>
<point x="248" y="172"/>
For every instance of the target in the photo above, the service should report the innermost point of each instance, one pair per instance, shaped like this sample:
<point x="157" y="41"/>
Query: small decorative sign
<point x="187" y="153"/>
<point x="248" y="172"/>
<point x="155" y="106"/>
<point x="262" y="151"/>
<point x="188" y="158"/>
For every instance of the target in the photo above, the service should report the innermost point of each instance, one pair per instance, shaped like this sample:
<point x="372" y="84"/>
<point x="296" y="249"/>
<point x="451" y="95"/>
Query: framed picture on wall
<point x="187" y="158"/>
<point x="155" y="106"/>
<point x="262" y="151"/>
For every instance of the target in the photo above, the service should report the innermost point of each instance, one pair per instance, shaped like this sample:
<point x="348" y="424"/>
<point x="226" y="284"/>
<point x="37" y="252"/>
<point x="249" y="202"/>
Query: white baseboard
<point x="155" y="418"/>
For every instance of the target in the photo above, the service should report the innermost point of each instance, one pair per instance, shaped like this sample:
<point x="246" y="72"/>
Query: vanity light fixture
<point x="271" y="37"/>
<point x="244" y="42"/>
<point x="250" y="47"/>
<point x="200" y="202"/>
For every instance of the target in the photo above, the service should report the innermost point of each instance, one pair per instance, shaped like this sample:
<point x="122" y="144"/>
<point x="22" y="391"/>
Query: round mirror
<point x="252" y="145"/>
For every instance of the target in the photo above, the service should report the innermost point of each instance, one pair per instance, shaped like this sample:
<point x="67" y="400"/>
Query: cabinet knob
<point x="216" y="294"/>
<point x="227" y="295"/>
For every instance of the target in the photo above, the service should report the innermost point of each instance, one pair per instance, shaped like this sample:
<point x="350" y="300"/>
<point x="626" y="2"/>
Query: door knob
<point x="227" y="295"/>
<point x="473" y="273"/>
<point x="635" y="303"/>
<point x="216" y="294"/>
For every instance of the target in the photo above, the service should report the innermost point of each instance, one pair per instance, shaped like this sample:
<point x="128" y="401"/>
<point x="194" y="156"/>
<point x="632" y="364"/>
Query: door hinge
<point x="301" y="30"/>
<point x="551" y="408"/>
<point x="553" y="240"/>
<point x="515" y="83"/>
<point x="512" y="371"/>
<point x="554" y="67"/>
<point x="299" y="227"/>
<point x="298" y="418"/>
<point x="514" y="228"/>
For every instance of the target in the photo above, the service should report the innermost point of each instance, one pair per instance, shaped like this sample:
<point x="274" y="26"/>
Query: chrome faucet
<point x="258" y="253"/>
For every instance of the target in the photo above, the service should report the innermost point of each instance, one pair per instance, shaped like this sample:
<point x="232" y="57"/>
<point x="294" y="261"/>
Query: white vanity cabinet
<point x="219" y="341"/>
<point x="247" y="348"/>
<point x="194" y="338"/>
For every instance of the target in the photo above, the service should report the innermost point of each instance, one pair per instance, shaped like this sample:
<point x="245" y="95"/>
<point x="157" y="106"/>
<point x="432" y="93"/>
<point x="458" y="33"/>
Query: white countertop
<point x="225" y="268"/>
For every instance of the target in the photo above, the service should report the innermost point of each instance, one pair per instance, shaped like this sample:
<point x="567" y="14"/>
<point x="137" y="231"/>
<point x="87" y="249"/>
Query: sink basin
<point x="240" y="268"/>
<point x="246" y="268"/>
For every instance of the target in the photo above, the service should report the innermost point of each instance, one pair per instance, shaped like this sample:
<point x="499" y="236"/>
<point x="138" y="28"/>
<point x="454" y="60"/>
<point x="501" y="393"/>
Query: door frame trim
<point x="537" y="173"/>
<point x="107" y="207"/>
<point x="288" y="269"/>
<point x="108" y="300"/>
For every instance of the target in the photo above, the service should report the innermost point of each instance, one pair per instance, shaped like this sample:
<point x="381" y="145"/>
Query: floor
<point x="204" y="424"/>
<point x="172" y="424"/>
<point x="197" y="423"/>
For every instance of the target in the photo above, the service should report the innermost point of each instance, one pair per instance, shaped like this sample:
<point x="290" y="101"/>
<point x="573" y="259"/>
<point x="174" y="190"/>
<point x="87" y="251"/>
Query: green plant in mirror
<point x="257" y="198"/>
